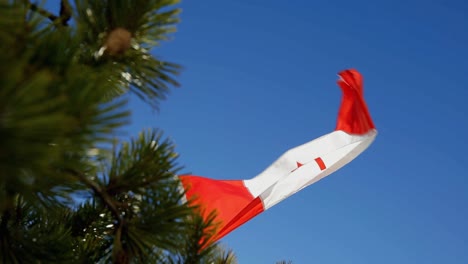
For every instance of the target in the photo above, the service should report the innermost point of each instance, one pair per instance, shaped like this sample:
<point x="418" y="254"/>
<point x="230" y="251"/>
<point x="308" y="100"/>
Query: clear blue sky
<point x="259" y="78"/>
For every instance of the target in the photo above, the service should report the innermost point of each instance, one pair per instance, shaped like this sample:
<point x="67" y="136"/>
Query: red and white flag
<point x="238" y="201"/>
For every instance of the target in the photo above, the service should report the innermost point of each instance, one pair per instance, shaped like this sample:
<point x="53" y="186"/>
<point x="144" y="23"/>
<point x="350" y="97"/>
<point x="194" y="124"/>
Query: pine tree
<point x="71" y="190"/>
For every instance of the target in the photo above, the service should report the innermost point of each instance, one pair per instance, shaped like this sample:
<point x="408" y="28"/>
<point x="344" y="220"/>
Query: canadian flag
<point x="238" y="201"/>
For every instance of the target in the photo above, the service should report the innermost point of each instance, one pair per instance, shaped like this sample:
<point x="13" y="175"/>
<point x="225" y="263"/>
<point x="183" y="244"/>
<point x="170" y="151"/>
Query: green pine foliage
<point x="70" y="190"/>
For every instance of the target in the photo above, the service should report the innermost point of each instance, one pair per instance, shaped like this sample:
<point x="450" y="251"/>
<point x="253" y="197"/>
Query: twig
<point x="65" y="12"/>
<point x="99" y="192"/>
<point x="108" y="202"/>
<point x="42" y="12"/>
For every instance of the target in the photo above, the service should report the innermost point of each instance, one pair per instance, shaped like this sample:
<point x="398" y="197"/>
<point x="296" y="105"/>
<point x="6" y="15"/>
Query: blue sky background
<point x="259" y="78"/>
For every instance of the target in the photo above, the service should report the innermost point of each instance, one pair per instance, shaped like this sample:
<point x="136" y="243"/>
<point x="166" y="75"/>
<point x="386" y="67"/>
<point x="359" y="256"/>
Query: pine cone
<point x="118" y="41"/>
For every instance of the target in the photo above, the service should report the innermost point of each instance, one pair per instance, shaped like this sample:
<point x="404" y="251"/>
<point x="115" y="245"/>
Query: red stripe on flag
<point x="250" y="211"/>
<point x="353" y="115"/>
<point x="320" y="163"/>
<point x="227" y="198"/>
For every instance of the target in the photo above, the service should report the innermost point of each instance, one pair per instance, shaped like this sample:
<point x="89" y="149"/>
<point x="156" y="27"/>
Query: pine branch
<point x="121" y="34"/>
<point x="58" y="100"/>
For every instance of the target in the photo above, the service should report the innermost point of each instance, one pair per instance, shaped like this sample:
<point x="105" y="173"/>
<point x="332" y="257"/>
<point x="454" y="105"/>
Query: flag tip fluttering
<point x="238" y="201"/>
